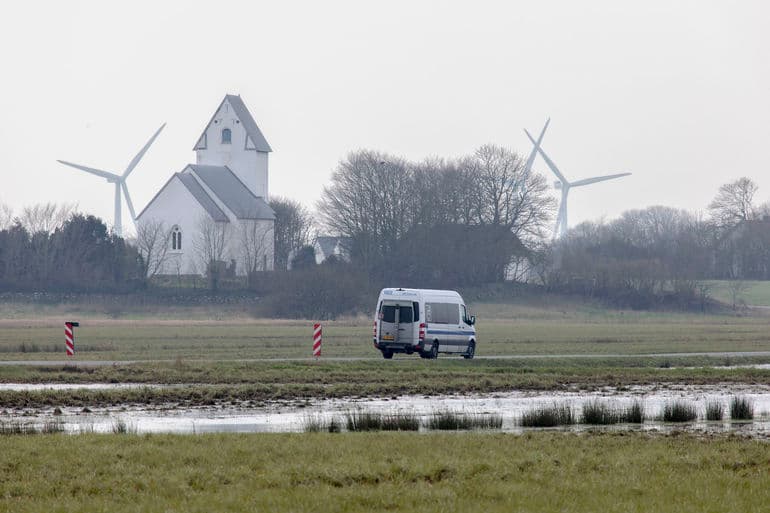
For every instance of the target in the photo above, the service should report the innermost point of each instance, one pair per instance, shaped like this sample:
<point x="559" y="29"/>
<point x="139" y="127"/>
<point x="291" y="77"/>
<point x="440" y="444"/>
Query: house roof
<point x="202" y="196"/>
<point x="231" y="191"/>
<point x="252" y="130"/>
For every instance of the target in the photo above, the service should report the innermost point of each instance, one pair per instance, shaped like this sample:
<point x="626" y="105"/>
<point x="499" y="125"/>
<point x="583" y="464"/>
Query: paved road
<point x="104" y="363"/>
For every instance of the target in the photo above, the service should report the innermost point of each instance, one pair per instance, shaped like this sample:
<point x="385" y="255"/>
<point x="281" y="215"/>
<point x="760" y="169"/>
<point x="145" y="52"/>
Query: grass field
<point x="384" y="472"/>
<point x="755" y="293"/>
<point x="502" y="330"/>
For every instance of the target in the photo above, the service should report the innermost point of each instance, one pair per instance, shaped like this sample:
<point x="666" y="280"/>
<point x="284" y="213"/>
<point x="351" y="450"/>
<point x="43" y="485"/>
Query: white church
<point x="216" y="210"/>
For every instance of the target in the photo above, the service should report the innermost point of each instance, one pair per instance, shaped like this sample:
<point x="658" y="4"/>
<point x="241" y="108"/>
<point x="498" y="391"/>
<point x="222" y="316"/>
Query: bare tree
<point x="209" y="246"/>
<point x="371" y="200"/>
<point x="737" y="289"/>
<point x="734" y="203"/>
<point x="507" y="196"/>
<point x="293" y="225"/>
<point x="46" y="217"/>
<point x="255" y="239"/>
<point x="152" y="242"/>
<point x="6" y="216"/>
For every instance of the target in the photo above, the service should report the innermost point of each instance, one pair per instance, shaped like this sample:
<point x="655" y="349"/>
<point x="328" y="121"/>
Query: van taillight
<point x="421" y="334"/>
<point x="374" y="330"/>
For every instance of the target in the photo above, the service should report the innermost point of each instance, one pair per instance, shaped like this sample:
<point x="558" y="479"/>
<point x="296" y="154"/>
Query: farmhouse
<point x="215" y="212"/>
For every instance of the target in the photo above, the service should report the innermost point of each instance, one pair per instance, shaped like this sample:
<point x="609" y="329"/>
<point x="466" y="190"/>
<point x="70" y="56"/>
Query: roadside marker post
<point x="317" y="340"/>
<point x="69" y="336"/>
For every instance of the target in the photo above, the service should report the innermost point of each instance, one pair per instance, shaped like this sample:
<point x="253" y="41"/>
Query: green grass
<point x="502" y="330"/>
<point x="484" y="472"/>
<point x="756" y="293"/>
<point x="252" y="383"/>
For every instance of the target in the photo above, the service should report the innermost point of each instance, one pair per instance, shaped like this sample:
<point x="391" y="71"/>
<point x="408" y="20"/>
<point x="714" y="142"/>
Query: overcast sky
<point x="678" y="93"/>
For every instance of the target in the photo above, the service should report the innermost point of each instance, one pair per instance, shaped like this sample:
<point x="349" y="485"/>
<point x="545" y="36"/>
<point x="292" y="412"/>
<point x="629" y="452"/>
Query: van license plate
<point x="387" y="337"/>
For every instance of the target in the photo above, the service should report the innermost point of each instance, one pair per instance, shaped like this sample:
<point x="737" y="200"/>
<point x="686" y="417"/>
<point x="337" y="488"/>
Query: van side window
<point x="464" y="314"/>
<point x="416" y="307"/>
<point x="443" y="313"/>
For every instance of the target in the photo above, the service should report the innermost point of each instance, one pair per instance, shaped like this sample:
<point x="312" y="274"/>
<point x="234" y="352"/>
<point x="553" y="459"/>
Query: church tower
<point x="233" y="139"/>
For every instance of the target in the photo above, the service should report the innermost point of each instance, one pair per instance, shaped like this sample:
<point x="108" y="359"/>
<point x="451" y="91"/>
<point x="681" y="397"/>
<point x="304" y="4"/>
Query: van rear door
<point x="396" y="323"/>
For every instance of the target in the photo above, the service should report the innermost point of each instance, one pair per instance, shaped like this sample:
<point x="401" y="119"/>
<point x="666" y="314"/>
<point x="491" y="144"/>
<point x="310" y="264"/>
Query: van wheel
<point x="387" y="354"/>
<point x="471" y="351"/>
<point x="434" y="350"/>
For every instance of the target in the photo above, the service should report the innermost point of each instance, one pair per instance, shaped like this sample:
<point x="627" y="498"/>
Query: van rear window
<point x="389" y="314"/>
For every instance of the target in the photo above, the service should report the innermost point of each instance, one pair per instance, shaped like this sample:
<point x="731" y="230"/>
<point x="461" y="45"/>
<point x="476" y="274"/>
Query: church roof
<point x="231" y="191"/>
<point x="202" y="196"/>
<point x="252" y="130"/>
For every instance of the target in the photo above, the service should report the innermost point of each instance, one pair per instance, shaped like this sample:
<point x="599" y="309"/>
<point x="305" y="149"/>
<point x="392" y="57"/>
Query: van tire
<point x="434" y="350"/>
<point x="387" y="354"/>
<point x="468" y="355"/>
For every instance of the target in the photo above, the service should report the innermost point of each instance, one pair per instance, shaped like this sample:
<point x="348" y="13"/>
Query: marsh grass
<point x="50" y="426"/>
<point x="319" y="424"/>
<point x="634" y="414"/>
<point x="447" y="420"/>
<point x="679" y="411"/>
<point x="360" y="420"/>
<point x="400" y="422"/>
<point x="598" y="412"/>
<point x="741" y="408"/>
<point x="314" y="424"/>
<point x="121" y="427"/>
<point x="549" y="416"/>
<point x="17" y="427"/>
<point x="715" y="410"/>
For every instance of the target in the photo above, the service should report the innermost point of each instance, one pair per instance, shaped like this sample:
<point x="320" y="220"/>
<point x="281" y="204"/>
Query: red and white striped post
<point x="69" y="336"/>
<point x="317" y="340"/>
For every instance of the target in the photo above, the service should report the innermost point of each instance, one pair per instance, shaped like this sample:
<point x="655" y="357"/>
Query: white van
<point x="425" y="322"/>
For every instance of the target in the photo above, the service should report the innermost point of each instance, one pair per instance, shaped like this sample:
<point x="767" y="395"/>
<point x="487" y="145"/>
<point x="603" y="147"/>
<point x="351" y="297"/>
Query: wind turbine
<point x="532" y="155"/>
<point x="119" y="181"/>
<point x="565" y="185"/>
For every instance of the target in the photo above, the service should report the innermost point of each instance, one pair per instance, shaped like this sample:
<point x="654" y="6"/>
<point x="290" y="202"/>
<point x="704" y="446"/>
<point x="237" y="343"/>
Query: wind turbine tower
<point x="562" y="183"/>
<point x="121" y="189"/>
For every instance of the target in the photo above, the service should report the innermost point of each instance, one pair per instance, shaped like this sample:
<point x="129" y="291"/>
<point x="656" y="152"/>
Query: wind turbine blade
<point x="587" y="181"/>
<point x="551" y="165"/>
<point x="141" y="153"/>
<point x="98" y="172"/>
<point x="535" y="147"/>
<point x="128" y="200"/>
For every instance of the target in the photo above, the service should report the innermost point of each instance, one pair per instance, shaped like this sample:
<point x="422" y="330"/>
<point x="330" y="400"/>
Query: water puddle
<point x="294" y="416"/>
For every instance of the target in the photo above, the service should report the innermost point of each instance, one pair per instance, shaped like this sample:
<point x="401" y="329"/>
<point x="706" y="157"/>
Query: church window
<point x="226" y="136"/>
<point x="176" y="239"/>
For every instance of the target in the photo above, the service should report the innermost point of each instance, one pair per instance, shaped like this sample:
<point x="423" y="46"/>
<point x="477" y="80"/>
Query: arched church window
<point x="227" y="136"/>
<point x="176" y="238"/>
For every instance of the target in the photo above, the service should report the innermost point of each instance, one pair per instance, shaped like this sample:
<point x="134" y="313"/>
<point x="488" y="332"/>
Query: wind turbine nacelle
<point x="557" y="185"/>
